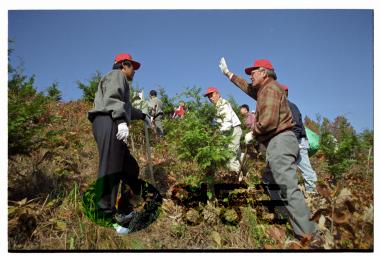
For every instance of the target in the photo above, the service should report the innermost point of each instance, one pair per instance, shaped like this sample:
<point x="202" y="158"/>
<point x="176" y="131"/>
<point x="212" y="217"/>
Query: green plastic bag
<point x="313" y="141"/>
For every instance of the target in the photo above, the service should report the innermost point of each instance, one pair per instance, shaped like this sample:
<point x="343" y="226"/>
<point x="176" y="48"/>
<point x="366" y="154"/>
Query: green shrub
<point x="366" y="144"/>
<point x="27" y="114"/>
<point x="339" y="144"/>
<point x="54" y="93"/>
<point x="197" y="139"/>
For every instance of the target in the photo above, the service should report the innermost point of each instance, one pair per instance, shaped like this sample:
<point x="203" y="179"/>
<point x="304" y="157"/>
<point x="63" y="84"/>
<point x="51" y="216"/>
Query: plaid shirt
<point x="273" y="114"/>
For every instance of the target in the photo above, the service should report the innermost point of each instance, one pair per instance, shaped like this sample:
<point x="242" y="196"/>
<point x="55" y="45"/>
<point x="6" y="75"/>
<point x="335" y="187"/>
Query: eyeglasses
<point x="258" y="70"/>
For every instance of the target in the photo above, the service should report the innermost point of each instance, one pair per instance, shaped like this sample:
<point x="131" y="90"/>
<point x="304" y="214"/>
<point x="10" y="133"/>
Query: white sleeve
<point x="227" y="118"/>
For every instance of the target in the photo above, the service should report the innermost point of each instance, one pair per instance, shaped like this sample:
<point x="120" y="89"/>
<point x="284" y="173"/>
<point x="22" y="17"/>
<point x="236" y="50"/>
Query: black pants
<point x="116" y="164"/>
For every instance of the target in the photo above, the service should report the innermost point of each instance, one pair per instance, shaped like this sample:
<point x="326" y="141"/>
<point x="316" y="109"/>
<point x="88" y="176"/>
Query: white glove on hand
<point x="148" y="121"/>
<point x="122" y="131"/>
<point x="223" y="66"/>
<point x="248" y="138"/>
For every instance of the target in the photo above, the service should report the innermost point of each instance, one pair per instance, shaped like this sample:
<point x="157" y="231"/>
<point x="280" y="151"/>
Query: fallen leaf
<point x="317" y="214"/>
<point x="321" y="223"/>
<point x="22" y="202"/>
<point x="294" y="245"/>
<point x="344" y="195"/>
<point x="324" y="191"/>
<point x="342" y="217"/>
<point x="368" y="214"/>
<point x="349" y="228"/>
<point x="268" y="247"/>
<point x="276" y="233"/>
<point x="193" y="216"/>
<point x="329" y="240"/>
<point x="216" y="237"/>
<point x="12" y="209"/>
<point x="61" y="225"/>
<point x="350" y="205"/>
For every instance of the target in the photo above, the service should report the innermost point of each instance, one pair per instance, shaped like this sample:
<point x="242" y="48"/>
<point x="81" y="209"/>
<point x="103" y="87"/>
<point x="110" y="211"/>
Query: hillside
<point x="46" y="188"/>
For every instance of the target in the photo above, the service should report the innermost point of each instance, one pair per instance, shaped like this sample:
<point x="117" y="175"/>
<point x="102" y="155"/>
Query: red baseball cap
<point x="259" y="64"/>
<point x="124" y="56"/>
<point x="211" y="90"/>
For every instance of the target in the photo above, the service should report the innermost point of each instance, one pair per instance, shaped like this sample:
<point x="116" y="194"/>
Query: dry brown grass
<point x="45" y="209"/>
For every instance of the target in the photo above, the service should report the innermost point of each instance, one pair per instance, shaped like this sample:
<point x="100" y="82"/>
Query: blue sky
<point x="324" y="56"/>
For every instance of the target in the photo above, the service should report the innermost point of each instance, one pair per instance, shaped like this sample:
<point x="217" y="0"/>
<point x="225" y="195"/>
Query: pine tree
<point x="54" y="93"/>
<point x="89" y="89"/>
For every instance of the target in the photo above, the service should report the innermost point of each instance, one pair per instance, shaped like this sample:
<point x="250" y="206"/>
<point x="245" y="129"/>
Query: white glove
<point x="148" y="121"/>
<point x="223" y="66"/>
<point x="248" y="138"/>
<point x="122" y="131"/>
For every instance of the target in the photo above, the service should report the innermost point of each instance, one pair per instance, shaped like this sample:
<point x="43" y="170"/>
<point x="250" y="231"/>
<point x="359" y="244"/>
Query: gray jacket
<point x="112" y="98"/>
<point x="154" y="106"/>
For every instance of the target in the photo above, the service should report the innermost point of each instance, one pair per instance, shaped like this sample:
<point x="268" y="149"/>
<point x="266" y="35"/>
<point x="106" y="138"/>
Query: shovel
<point x="148" y="153"/>
<point x="242" y="166"/>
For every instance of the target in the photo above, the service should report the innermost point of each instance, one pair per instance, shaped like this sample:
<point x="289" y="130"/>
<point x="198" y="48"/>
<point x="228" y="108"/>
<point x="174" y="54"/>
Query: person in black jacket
<point x="303" y="161"/>
<point x="110" y="118"/>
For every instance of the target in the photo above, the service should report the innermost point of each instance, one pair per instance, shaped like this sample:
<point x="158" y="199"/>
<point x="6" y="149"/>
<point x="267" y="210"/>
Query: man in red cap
<point x="273" y="129"/>
<point x="110" y="117"/>
<point x="229" y="122"/>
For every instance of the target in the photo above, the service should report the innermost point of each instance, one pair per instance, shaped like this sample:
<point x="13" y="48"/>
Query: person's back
<point x="155" y="111"/>
<point x="303" y="162"/>
<point x="298" y="129"/>
<point x="104" y="103"/>
<point x="155" y="105"/>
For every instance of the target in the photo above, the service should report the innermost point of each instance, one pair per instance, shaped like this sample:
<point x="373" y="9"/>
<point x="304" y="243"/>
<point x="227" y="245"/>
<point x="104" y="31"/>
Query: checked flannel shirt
<point x="273" y="114"/>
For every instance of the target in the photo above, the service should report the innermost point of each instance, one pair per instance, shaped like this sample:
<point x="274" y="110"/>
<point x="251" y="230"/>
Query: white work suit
<point x="228" y="121"/>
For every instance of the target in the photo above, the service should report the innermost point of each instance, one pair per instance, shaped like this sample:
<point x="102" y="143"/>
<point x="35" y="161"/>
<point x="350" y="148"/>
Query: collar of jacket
<point x="221" y="102"/>
<point x="270" y="81"/>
